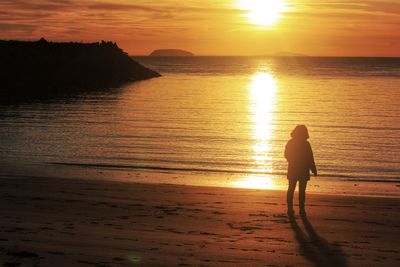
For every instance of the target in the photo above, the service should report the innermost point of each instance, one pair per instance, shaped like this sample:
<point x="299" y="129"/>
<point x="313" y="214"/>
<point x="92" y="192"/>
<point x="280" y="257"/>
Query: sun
<point x="263" y="13"/>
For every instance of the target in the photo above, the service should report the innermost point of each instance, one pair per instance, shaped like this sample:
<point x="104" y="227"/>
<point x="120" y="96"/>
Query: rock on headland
<point x="39" y="68"/>
<point x="171" y="53"/>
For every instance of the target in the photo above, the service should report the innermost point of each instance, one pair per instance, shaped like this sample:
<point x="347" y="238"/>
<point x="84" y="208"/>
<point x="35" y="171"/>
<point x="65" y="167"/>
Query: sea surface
<point x="218" y="121"/>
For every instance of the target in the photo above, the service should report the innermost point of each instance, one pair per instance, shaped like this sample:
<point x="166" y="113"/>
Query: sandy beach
<point x="67" y="222"/>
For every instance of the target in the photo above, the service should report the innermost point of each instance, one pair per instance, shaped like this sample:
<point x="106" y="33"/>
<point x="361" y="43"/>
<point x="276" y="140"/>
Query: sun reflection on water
<point x="255" y="182"/>
<point x="262" y="91"/>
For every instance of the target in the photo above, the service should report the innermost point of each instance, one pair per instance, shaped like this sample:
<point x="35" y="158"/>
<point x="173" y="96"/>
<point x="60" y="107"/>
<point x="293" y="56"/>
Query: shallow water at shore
<point x="216" y="121"/>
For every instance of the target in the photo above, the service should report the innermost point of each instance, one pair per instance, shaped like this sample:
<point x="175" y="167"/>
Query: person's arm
<point x="287" y="151"/>
<point x="313" y="167"/>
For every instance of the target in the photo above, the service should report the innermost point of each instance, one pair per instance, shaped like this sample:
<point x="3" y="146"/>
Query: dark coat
<point x="300" y="159"/>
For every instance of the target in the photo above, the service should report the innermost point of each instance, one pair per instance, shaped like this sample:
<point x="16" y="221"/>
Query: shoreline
<point x="316" y="185"/>
<point x="70" y="222"/>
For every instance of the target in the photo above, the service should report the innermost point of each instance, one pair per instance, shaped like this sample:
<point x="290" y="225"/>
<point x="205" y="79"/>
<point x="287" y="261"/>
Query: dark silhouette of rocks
<point x="171" y="53"/>
<point x="44" y="68"/>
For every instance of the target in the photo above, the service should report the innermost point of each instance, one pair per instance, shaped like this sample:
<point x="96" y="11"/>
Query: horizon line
<point x="272" y="55"/>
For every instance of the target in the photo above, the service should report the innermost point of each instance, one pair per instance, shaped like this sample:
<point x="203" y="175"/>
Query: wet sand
<point x="67" y="222"/>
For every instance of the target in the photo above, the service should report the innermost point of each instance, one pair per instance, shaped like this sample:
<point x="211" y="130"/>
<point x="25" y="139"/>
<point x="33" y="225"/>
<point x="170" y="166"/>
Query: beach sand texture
<point x="67" y="222"/>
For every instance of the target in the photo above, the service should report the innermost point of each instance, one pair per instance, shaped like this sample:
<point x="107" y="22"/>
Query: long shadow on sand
<point x="315" y="248"/>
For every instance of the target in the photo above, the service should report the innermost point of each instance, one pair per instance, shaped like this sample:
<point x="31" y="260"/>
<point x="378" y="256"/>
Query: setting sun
<point x="263" y="13"/>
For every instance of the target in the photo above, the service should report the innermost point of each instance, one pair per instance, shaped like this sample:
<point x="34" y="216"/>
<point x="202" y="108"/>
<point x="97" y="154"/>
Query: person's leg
<point x="290" y="192"/>
<point x="302" y="194"/>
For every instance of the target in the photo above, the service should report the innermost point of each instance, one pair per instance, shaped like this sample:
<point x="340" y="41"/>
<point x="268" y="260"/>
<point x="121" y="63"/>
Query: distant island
<point x="41" y="68"/>
<point x="171" y="53"/>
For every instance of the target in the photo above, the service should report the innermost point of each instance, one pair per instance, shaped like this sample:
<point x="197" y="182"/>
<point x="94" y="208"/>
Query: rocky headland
<point x="42" y="68"/>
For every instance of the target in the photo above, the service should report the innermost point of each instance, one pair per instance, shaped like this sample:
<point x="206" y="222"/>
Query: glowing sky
<point x="210" y="27"/>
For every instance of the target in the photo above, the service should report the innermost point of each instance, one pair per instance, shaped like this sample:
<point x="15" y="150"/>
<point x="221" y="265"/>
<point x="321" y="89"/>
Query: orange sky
<point x="210" y="27"/>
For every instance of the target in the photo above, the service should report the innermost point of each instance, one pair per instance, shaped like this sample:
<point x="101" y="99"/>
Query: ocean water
<point x="217" y="121"/>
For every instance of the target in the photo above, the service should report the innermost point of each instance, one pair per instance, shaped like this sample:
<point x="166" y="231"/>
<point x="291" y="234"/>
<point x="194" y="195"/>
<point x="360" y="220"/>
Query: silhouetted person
<point x="300" y="159"/>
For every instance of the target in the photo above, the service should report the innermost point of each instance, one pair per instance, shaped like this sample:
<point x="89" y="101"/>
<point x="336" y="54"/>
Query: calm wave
<point x="217" y="115"/>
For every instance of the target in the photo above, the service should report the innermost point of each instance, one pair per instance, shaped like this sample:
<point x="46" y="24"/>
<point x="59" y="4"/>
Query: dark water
<point x="216" y="116"/>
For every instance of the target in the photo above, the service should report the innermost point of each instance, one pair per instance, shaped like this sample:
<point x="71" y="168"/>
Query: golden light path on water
<point x="262" y="91"/>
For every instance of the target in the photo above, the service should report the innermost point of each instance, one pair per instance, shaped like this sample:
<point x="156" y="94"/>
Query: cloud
<point x="150" y="22"/>
<point x="12" y="26"/>
<point x="369" y="7"/>
<point x="123" y="7"/>
<point x="36" y="5"/>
